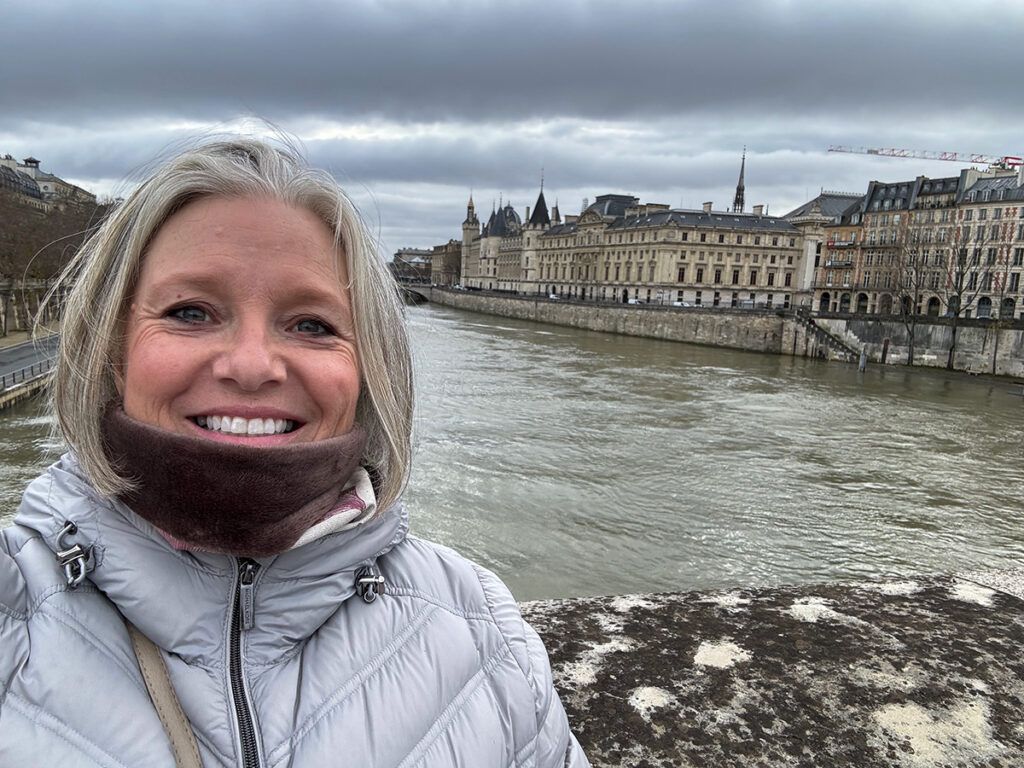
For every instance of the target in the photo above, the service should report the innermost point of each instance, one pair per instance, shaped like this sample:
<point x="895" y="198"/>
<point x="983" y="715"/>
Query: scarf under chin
<point x="222" y="497"/>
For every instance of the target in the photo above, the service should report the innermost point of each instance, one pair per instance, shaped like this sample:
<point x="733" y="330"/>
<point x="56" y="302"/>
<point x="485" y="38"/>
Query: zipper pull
<point x="246" y="593"/>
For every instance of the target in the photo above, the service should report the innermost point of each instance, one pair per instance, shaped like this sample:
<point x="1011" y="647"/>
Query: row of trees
<point x="972" y="266"/>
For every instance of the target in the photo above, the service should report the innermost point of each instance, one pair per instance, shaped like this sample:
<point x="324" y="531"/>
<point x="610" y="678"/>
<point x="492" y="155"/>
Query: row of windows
<point x="703" y="237"/>
<point x="720" y="256"/>
<point x="552" y="272"/>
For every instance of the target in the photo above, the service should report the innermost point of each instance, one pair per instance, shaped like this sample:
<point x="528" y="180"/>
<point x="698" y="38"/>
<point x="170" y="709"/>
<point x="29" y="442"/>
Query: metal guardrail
<point x="9" y="380"/>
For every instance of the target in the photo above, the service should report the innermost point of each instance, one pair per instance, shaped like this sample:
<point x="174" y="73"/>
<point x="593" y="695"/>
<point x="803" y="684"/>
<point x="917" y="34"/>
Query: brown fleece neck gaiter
<point x="222" y="497"/>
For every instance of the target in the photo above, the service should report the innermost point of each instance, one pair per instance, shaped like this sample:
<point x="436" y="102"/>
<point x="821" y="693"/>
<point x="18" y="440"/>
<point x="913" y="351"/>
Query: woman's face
<point x="240" y="328"/>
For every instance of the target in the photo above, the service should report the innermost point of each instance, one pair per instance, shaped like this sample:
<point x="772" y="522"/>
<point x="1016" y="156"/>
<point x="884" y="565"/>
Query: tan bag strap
<point x="161" y="691"/>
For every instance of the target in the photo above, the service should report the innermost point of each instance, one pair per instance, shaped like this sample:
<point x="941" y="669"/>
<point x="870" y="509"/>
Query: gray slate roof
<point x="831" y="204"/>
<point x="1003" y="188"/>
<point x="700" y="219"/>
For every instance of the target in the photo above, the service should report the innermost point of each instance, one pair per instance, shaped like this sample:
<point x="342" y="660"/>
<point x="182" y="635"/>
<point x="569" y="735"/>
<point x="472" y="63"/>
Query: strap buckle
<point x="74" y="559"/>
<point x="369" y="583"/>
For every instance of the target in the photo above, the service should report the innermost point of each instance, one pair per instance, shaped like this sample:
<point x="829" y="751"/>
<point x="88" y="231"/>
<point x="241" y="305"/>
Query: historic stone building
<point x="923" y="246"/>
<point x="911" y="247"/>
<point x="28" y="179"/>
<point x="991" y="232"/>
<point x="619" y="249"/>
<point x="446" y="263"/>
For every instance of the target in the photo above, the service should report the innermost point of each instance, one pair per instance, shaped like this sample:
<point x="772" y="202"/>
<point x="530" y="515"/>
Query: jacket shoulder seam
<point x="527" y="673"/>
<point x="401" y="590"/>
<point x="13" y="612"/>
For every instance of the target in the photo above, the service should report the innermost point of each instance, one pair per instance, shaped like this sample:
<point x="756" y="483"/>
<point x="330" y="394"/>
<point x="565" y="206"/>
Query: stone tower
<point x="470" y="231"/>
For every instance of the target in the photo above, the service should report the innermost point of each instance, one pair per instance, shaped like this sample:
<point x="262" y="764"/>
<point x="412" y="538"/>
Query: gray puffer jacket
<point x="276" y="662"/>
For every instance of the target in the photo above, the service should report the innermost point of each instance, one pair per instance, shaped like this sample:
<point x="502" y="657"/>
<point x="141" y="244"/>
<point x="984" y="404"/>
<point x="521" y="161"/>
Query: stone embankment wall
<point x="758" y="331"/>
<point x="979" y="342"/>
<point x="915" y="673"/>
<point x="982" y="346"/>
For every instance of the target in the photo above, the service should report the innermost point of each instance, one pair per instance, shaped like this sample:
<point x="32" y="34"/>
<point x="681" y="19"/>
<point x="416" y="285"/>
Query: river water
<point x="580" y="463"/>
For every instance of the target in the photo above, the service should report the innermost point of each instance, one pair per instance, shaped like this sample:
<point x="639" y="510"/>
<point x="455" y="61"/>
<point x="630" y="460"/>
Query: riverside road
<point x="26" y="354"/>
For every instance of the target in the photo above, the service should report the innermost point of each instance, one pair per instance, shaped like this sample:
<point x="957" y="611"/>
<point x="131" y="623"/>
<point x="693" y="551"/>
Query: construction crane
<point x="1004" y="161"/>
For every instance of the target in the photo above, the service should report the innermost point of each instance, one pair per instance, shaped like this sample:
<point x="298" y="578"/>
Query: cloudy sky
<point x="412" y="105"/>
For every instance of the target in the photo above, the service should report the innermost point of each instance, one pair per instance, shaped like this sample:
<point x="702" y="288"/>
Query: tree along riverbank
<point x="982" y="346"/>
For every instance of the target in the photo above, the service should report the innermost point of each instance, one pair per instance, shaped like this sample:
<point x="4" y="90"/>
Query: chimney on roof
<point x="707" y="207"/>
<point x="759" y="210"/>
<point x="1020" y="175"/>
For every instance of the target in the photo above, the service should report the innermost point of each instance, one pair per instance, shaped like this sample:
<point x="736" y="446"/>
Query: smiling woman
<point x="241" y="316"/>
<point x="234" y="382"/>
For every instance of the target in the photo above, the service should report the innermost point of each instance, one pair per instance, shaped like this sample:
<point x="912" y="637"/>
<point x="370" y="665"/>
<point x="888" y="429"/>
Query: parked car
<point x="553" y="296"/>
<point x="681" y="304"/>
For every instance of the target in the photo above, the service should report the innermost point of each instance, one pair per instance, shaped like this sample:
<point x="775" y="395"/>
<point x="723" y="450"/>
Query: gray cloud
<point x="472" y="60"/>
<point x="412" y="105"/>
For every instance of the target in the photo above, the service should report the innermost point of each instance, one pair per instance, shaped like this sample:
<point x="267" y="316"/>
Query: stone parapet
<point x="922" y="672"/>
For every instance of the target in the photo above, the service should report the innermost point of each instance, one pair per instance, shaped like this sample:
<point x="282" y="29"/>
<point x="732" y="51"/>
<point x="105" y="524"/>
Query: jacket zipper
<point x="242" y="619"/>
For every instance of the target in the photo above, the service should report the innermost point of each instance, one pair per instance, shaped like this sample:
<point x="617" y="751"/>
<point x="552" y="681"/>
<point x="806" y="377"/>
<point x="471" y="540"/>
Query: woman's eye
<point x="313" y="327"/>
<point x="190" y="314"/>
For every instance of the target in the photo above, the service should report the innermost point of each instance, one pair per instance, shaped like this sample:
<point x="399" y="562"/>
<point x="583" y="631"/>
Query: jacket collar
<point x="183" y="600"/>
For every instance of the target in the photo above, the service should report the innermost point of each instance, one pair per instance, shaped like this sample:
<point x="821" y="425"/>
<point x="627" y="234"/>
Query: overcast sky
<point x="412" y="105"/>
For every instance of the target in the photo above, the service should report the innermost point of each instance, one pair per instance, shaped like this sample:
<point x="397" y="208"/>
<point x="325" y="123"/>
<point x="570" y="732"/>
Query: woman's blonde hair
<point x="97" y="288"/>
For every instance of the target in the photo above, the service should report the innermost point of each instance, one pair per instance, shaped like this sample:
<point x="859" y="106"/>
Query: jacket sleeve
<point x="556" y="745"/>
<point x="13" y="617"/>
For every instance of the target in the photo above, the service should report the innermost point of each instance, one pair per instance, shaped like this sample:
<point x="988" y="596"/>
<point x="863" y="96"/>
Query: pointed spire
<point x="540" y="215"/>
<point x="737" y="201"/>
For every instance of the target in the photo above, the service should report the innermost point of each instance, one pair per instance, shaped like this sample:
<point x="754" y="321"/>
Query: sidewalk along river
<point x="581" y="463"/>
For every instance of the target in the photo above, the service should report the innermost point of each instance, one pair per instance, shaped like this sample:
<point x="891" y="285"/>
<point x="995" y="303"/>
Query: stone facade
<point x="446" y="263"/>
<point x="928" y="247"/>
<point x="624" y="251"/>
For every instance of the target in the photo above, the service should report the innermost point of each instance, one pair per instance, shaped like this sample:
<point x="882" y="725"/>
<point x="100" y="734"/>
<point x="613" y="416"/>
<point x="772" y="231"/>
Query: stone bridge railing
<point x="915" y="673"/>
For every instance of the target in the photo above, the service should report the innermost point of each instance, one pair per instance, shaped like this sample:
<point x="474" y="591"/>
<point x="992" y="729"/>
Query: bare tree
<point x="998" y="262"/>
<point x="909" y="275"/>
<point x="966" y="275"/>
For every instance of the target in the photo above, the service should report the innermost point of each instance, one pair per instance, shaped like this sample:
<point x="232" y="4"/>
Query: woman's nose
<point x="250" y="359"/>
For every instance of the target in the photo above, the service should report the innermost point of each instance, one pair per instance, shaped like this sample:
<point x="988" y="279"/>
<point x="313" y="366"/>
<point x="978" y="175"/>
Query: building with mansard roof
<point x="33" y="182"/>
<point x="897" y="250"/>
<point x="619" y="249"/>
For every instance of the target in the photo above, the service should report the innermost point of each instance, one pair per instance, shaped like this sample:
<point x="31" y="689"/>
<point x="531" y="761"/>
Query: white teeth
<point x="236" y="425"/>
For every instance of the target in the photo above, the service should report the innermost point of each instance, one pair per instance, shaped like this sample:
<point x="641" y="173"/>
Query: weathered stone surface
<point x="982" y="346"/>
<point x="757" y="331"/>
<point x="924" y="672"/>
